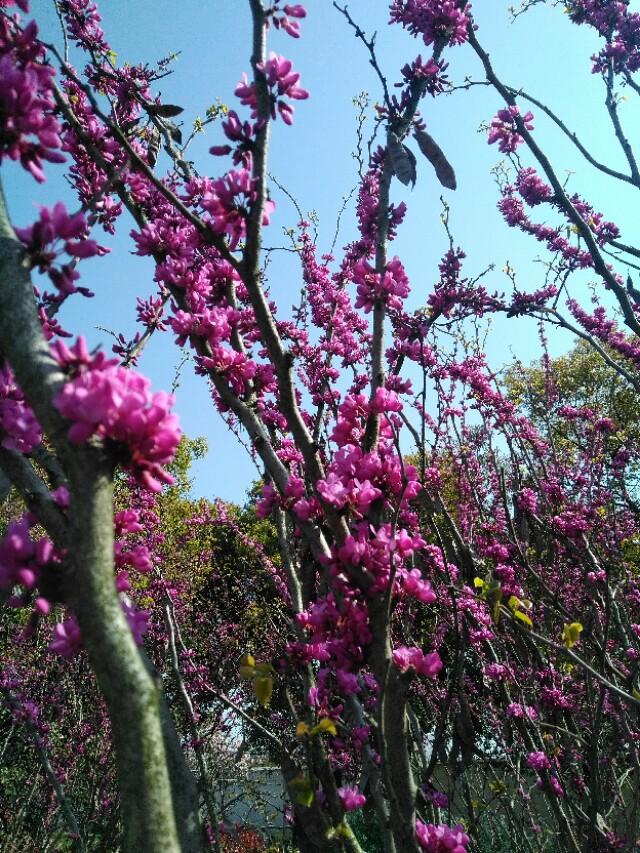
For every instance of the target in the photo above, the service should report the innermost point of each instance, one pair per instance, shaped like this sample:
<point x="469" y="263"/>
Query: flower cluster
<point x="351" y="799"/>
<point x="22" y="559"/>
<point x="441" y="838"/>
<point x="83" y="24"/>
<point x="437" y="21"/>
<point x="288" y="18"/>
<point x="532" y="188"/>
<point x="55" y="232"/>
<point x="228" y="201"/>
<point x="19" y="428"/>
<point x="101" y="398"/>
<point x="282" y="83"/>
<point x="392" y="286"/>
<point x="67" y="638"/>
<point x="29" y="129"/>
<point x="414" y="659"/>
<point x="504" y="129"/>
<point x="619" y="26"/>
<point x="429" y="73"/>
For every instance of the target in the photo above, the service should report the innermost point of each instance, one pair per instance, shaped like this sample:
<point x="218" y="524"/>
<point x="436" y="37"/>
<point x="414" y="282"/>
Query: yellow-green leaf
<point x="302" y="790"/>
<point x="325" y="726"/>
<point x="247" y="667"/>
<point x="571" y="634"/>
<point x="523" y="618"/>
<point x="495" y="610"/>
<point x="263" y="686"/>
<point x="342" y="830"/>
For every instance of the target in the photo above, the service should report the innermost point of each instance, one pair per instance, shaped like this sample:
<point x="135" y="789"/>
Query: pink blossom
<point x="19" y="428"/>
<point x="538" y="761"/>
<point x="116" y="404"/>
<point x="67" y="641"/>
<point x="441" y="838"/>
<point x="407" y="658"/>
<point x="29" y="132"/>
<point x="228" y="200"/>
<point x="504" y="129"/>
<point x="22" y="558"/>
<point x="435" y="20"/>
<point x="351" y="798"/>
<point x="282" y="82"/>
<point x="55" y="232"/>
<point x="417" y="587"/>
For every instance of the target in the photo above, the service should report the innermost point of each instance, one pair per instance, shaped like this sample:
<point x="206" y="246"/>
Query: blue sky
<point x="541" y="52"/>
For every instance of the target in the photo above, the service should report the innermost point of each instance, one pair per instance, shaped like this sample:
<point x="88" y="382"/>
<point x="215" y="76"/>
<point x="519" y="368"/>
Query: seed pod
<point x="403" y="160"/>
<point x="154" y="147"/>
<point x="435" y="155"/>
<point x="163" y="110"/>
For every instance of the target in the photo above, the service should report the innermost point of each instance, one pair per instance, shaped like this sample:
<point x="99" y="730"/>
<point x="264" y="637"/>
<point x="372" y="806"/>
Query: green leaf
<point x="263" y="686"/>
<point x="523" y="618"/>
<point x="325" y="726"/>
<point x="302" y="791"/>
<point x="571" y="634"/>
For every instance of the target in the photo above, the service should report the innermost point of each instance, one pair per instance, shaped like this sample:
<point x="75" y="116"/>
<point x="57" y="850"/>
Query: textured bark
<point x="146" y="746"/>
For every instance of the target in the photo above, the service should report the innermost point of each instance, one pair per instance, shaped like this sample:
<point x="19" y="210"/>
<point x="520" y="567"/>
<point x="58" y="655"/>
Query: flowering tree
<point x="468" y="605"/>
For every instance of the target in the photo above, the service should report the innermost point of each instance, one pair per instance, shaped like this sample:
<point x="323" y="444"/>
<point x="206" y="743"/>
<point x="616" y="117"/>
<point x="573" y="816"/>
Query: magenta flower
<point x="57" y="232"/>
<point x="435" y="20"/>
<point x="351" y="798"/>
<point x="412" y="658"/>
<point x="282" y="82"/>
<point x="504" y="129"/>
<point x="441" y="838"/>
<point x="22" y="559"/>
<point x="532" y="188"/>
<point x="19" y="428"/>
<point x="538" y="761"/>
<point x="67" y="641"/>
<point x="29" y="132"/>
<point x="116" y="404"/>
<point x="228" y="200"/>
<point x="392" y="286"/>
<point x="291" y="10"/>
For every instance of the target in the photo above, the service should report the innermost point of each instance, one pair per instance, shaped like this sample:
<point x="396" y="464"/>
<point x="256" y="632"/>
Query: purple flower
<point x="434" y="20"/>
<point x="351" y="798"/>
<point x="408" y="658"/>
<point x="440" y="838"/>
<point x="116" y="404"/>
<point x="29" y="132"/>
<point x="504" y="129"/>
<point x="282" y="82"/>
<point x="538" y="761"/>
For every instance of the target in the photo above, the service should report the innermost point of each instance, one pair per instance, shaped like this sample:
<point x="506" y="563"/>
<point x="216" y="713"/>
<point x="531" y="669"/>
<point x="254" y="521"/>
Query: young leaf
<point x="302" y="790"/>
<point x="325" y="725"/>
<point x="571" y="634"/>
<point x="247" y="667"/>
<point x="435" y="155"/>
<point x="263" y="686"/>
<point x="523" y="618"/>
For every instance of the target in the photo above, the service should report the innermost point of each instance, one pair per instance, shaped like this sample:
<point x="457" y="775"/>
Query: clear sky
<point x="542" y="52"/>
